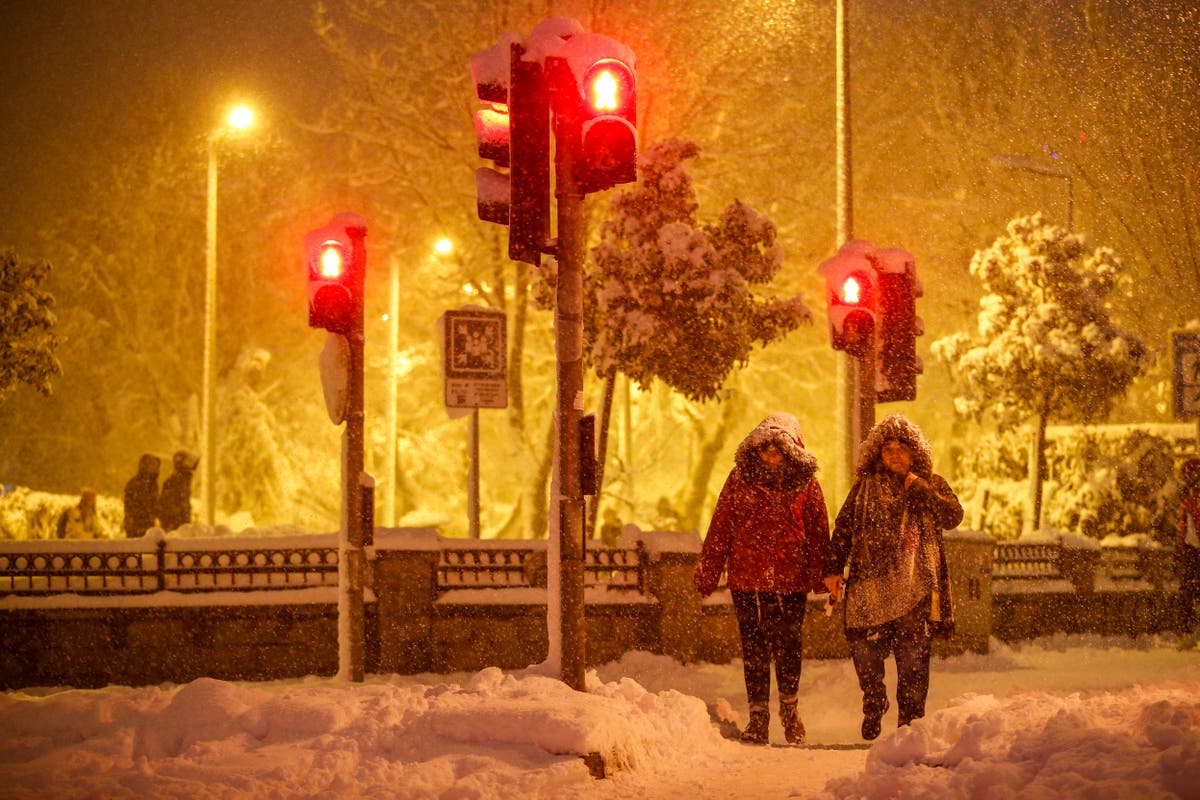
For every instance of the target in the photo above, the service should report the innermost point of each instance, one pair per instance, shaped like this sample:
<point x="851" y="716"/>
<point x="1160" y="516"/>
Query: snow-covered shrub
<point x="29" y="514"/>
<point x="1099" y="483"/>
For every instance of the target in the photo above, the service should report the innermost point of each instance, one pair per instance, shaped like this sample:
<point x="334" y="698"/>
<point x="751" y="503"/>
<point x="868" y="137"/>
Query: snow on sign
<point x="475" y="350"/>
<point x="1186" y="347"/>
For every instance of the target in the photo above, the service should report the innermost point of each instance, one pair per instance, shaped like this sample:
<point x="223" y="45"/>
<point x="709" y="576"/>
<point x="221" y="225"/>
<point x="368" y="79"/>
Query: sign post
<point x="475" y="372"/>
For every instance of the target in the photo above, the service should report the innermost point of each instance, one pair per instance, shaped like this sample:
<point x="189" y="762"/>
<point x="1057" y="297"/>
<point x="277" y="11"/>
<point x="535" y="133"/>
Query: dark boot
<point x="873" y="721"/>
<point x="756" y="729"/>
<point x="789" y="715"/>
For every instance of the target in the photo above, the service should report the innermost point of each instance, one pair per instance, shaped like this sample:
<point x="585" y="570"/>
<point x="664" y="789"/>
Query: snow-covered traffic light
<point x="596" y="99"/>
<point x="513" y="131"/>
<point x="897" y="364"/>
<point x="335" y="260"/>
<point x="852" y="296"/>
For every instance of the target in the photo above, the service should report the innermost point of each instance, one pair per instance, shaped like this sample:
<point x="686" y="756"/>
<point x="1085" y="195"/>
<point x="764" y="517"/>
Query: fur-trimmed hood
<point x="782" y="430"/>
<point x="895" y="426"/>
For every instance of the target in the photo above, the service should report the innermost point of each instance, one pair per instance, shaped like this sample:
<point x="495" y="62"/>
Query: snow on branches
<point x="1045" y="344"/>
<point x="673" y="296"/>
<point x="27" y="341"/>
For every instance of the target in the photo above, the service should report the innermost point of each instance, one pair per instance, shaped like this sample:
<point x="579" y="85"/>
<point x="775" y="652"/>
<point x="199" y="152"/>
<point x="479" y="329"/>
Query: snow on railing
<point x="1026" y="560"/>
<point x="142" y="566"/>
<point x="466" y="564"/>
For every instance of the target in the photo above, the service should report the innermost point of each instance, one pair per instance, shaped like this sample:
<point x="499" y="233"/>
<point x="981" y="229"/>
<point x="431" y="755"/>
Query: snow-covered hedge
<point x="29" y="514"/>
<point x="1098" y="483"/>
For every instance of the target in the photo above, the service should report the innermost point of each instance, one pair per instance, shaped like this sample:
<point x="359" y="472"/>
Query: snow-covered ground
<point x="1064" y="718"/>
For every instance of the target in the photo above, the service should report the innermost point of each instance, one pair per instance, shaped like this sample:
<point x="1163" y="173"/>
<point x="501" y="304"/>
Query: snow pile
<point x="1139" y="742"/>
<point x="212" y="738"/>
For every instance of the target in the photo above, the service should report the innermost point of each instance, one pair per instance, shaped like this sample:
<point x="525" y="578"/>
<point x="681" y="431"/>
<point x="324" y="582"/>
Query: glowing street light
<point x="239" y="118"/>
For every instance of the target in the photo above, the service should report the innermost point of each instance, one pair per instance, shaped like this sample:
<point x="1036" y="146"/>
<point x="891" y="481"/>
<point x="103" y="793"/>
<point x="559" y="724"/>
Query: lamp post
<point x="239" y="118"/>
<point x="441" y="247"/>
<point x="1040" y="168"/>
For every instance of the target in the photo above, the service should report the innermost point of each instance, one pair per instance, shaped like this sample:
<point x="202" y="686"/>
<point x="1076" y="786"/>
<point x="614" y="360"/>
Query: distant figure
<point x="141" y="497"/>
<point x="1187" y="546"/>
<point x="175" y="504"/>
<point x="610" y="531"/>
<point x="80" y="521"/>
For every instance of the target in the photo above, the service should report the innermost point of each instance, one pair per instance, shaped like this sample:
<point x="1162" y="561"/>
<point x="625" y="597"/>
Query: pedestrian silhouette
<point x="141" y="497"/>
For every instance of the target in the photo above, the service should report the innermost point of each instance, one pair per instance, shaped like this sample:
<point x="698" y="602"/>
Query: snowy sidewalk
<point x="1064" y="718"/>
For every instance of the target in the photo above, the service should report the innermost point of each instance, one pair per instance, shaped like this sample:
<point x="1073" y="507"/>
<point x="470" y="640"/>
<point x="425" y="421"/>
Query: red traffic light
<point x="852" y="290"/>
<point x="595" y="87"/>
<point x="609" y="87"/>
<point x="331" y="261"/>
<point x="851" y="299"/>
<point x="336" y="258"/>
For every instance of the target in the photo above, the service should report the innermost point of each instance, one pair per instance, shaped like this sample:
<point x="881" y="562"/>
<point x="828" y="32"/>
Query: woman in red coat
<point x="769" y="533"/>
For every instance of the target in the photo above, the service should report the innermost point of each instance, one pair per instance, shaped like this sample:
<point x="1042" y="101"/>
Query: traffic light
<point x="897" y="364"/>
<point x="513" y="130"/>
<point x="596" y="101"/>
<point x="852" y="295"/>
<point x="335" y="258"/>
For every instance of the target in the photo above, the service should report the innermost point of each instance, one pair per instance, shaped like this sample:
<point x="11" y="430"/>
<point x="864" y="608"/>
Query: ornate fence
<point x="95" y="568"/>
<point x="146" y="566"/>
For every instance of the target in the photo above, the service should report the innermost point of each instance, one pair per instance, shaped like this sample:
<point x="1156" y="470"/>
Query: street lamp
<point x="239" y="118"/>
<point x="442" y="247"/>
<point x="1041" y="168"/>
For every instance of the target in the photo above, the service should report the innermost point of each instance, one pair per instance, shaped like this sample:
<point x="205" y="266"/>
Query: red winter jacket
<point x="768" y="536"/>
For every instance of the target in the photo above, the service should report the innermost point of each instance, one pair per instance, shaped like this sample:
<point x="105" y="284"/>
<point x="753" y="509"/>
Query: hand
<point x="909" y="478"/>
<point x="834" y="584"/>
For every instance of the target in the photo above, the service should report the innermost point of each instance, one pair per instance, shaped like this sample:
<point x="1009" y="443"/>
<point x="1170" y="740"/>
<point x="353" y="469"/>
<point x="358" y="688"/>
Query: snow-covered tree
<point x="27" y="340"/>
<point x="1045" y="348"/>
<point x="254" y="460"/>
<point x="673" y="298"/>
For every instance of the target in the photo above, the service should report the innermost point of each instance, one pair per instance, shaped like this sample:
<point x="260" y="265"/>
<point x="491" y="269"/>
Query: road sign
<point x="1186" y="349"/>
<point x="475" y="353"/>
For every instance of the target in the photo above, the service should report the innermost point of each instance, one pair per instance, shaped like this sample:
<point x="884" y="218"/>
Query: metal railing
<point x="132" y="567"/>
<point x="165" y="566"/>
<point x="515" y="566"/>
<point x="136" y="567"/>
<point x="1026" y="560"/>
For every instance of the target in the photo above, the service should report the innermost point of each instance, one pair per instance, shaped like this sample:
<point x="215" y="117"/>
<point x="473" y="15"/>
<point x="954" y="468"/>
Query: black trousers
<point x="771" y="627"/>
<point x="908" y="639"/>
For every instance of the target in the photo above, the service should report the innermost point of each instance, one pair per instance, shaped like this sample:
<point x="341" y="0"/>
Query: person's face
<point x="897" y="457"/>
<point x="771" y="456"/>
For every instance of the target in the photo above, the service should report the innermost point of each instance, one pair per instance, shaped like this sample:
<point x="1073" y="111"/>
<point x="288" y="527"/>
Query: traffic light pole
<point x="862" y="409"/>
<point x="568" y="333"/>
<point x="351" y="626"/>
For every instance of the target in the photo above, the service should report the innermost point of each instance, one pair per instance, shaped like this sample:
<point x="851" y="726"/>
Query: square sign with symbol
<point x="1186" y="347"/>
<point x="476" y="359"/>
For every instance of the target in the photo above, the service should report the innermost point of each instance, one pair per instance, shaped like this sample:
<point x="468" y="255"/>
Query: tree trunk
<point x="697" y="491"/>
<point x="1037" y="467"/>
